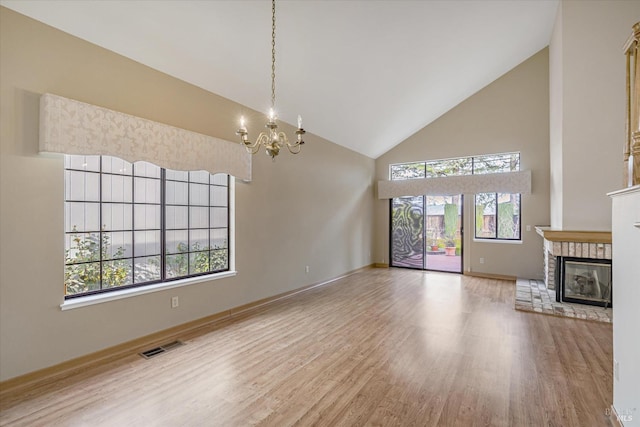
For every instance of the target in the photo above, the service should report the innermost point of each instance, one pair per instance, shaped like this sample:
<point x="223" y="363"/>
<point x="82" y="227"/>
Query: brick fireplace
<point x="559" y="244"/>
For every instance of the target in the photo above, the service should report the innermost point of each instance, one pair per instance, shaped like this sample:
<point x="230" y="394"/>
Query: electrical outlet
<point x="616" y="370"/>
<point x="528" y="228"/>
<point x="481" y="260"/>
<point x="175" y="302"/>
<point x="306" y="269"/>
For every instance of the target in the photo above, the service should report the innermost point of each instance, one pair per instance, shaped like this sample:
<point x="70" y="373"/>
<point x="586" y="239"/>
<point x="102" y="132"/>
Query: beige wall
<point x="511" y="114"/>
<point x="313" y="209"/>
<point x="588" y="78"/>
<point x="555" y="121"/>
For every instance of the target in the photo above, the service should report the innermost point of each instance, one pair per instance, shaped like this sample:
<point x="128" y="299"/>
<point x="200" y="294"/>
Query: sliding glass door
<point x="443" y="251"/>
<point x="426" y="233"/>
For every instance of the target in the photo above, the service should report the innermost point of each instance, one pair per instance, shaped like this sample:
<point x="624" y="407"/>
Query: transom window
<point x="135" y="224"/>
<point x="497" y="215"/>
<point x="472" y="165"/>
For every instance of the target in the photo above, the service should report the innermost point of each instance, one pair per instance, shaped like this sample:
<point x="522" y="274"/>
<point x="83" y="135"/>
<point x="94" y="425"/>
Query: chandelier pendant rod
<point x="273" y="54"/>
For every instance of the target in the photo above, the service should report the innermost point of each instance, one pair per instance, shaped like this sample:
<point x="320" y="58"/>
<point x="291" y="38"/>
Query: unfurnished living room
<point x="327" y="213"/>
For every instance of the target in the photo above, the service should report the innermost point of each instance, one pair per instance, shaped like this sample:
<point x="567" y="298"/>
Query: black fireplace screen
<point x="586" y="281"/>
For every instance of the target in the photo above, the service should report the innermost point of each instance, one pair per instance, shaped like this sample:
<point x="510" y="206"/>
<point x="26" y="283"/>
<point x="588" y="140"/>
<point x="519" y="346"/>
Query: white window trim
<point x="491" y="240"/>
<point x="132" y="292"/>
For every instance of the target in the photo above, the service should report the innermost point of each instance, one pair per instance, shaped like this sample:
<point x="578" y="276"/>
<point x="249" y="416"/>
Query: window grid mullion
<point x="133" y="223"/>
<point x="188" y="223"/>
<point x="163" y="224"/>
<point x="495" y="234"/>
<point x="209" y="222"/>
<point x="100" y="237"/>
<point x="228" y="250"/>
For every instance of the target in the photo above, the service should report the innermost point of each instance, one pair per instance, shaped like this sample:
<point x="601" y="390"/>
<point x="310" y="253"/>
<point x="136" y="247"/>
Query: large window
<point x="134" y="224"/>
<point x="497" y="214"/>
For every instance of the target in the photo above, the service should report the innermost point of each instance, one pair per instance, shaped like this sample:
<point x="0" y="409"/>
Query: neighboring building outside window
<point x="135" y="224"/>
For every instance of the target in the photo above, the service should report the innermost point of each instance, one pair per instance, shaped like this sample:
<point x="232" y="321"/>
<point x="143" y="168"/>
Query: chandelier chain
<point x="273" y="54"/>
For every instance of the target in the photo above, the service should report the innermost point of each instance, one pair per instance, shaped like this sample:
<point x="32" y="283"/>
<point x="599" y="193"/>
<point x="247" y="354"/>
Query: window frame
<point x="497" y="220"/>
<point x="473" y="159"/>
<point x="165" y="282"/>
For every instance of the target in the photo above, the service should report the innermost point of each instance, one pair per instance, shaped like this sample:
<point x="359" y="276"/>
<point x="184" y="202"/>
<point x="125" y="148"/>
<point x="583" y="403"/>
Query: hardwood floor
<point x="380" y="347"/>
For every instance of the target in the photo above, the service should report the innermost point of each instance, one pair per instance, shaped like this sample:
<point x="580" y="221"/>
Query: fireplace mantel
<point x="571" y="243"/>
<point x="555" y="235"/>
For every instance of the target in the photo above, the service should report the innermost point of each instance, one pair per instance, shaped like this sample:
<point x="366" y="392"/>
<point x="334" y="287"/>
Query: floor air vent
<point x="148" y="354"/>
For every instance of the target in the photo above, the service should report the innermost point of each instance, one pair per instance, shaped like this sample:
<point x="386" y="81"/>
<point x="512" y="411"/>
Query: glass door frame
<point x="424" y="235"/>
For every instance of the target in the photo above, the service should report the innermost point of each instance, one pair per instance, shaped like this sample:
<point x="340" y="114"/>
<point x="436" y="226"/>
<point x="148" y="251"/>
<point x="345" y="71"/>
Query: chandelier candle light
<point x="272" y="140"/>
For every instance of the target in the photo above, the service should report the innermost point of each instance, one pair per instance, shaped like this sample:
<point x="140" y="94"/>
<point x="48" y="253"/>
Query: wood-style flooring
<point x="380" y="347"/>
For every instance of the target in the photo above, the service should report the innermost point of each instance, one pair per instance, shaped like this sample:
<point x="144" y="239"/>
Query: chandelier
<point x="272" y="140"/>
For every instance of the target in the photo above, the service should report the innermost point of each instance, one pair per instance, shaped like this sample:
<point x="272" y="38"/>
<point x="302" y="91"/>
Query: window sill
<point x="127" y="293"/>
<point x="508" y="242"/>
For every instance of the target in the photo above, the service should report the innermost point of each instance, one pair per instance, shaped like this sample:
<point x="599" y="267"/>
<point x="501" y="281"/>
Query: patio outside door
<point x="426" y="233"/>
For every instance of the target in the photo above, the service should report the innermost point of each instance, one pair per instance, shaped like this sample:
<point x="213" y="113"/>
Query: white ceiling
<point x="365" y="74"/>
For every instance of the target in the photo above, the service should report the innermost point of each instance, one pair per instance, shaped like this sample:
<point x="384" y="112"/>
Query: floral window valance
<point x="72" y="127"/>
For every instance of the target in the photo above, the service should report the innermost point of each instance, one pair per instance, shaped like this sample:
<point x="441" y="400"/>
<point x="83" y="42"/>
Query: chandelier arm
<point x="250" y="146"/>
<point x="263" y="138"/>
<point x="294" y="148"/>
<point x="255" y="147"/>
<point x="282" y="137"/>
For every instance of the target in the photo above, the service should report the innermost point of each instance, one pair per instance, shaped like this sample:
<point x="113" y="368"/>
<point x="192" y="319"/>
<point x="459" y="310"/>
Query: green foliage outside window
<point x="479" y="219"/>
<point x="507" y="228"/>
<point x="83" y="260"/>
<point x="473" y="165"/>
<point x="203" y="259"/>
<point x="450" y="223"/>
<point x="82" y="265"/>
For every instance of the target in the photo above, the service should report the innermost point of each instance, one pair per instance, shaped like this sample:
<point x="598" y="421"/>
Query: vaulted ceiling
<point x="365" y="74"/>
